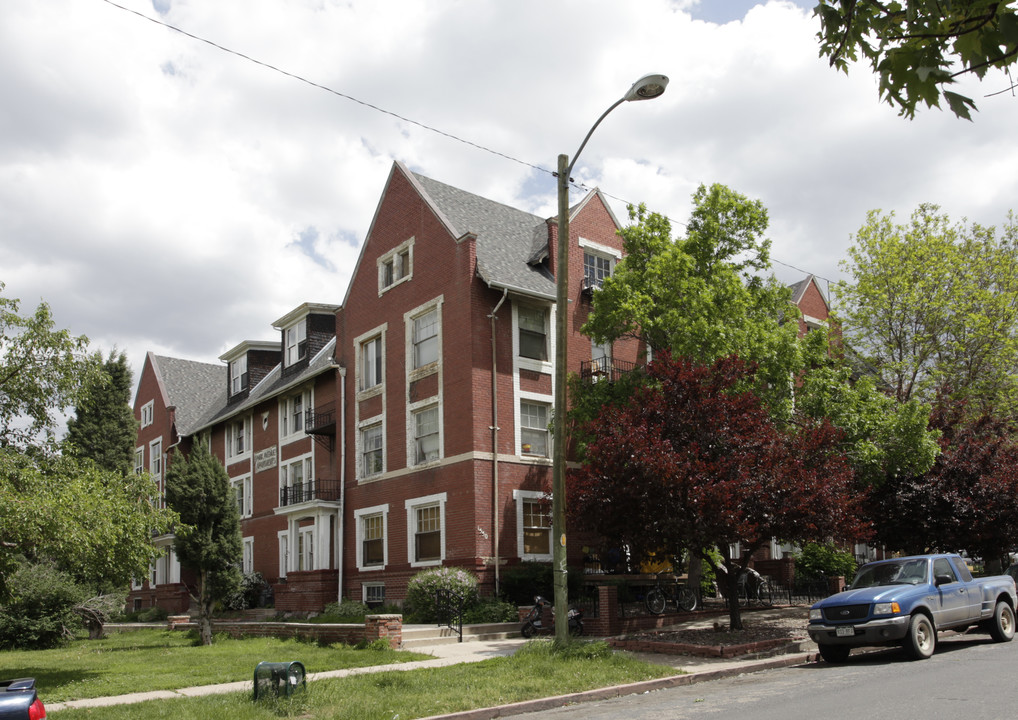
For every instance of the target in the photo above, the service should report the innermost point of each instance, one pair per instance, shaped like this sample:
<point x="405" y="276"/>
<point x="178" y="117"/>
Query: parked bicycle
<point x="752" y="587"/>
<point x="684" y="597"/>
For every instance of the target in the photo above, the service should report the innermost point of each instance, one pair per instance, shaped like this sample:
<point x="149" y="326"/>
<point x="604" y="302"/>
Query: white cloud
<point x="155" y="190"/>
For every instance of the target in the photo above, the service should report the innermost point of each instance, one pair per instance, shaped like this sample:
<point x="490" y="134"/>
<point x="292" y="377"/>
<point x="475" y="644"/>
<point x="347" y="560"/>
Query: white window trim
<point x="542" y="366"/>
<point x="411" y="438"/>
<point x="283" y="545"/>
<point x="519" y="496"/>
<point x="248" y="429"/>
<point x="366" y="586"/>
<point x="296" y="327"/>
<point x="358" y="343"/>
<point x="306" y="538"/>
<point x="148" y="413"/>
<point x="599" y="249"/>
<point x="285" y="479"/>
<point x="286" y="410"/>
<point x="382" y="510"/>
<point x="247" y="556"/>
<point x="407" y="245"/>
<point x="153" y="453"/>
<point x="408" y="326"/>
<point x="537" y="399"/>
<point x="247" y="487"/>
<point x="411" y="523"/>
<point x="359" y="449"/>
<point x="139" y="460"/>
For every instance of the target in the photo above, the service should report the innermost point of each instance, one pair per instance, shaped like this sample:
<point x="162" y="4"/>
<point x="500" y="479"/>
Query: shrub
<point x="39" y="612"/>
<point x="491" y="610"/>
<point x="252" y="592"/>
<point x="348" y="611"/>
<point x="420" y="593"/>
<point x="817" y="561"/>
<point x="520" y="583"/>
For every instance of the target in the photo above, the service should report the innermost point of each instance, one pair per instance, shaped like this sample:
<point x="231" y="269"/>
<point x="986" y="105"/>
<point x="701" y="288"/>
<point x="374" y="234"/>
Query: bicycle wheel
<point x="656" y="601"/>
<point x="764" y="594"/>
<point x="686" y="598"/>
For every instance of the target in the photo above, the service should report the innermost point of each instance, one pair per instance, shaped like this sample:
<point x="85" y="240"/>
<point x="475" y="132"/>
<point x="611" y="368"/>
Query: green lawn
<point x="160" y="659"/>
<point x="535" y="671"/>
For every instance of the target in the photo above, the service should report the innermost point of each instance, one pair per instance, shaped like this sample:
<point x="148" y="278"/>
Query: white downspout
<point x="342" y="479"/>
<point x="494" y="439"/>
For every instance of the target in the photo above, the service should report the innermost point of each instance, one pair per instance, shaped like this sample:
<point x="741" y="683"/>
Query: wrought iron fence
<point x="305" y="492"/>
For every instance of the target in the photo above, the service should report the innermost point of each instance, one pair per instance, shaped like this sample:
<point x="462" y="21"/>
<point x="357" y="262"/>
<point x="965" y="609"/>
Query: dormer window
<point x="238" y="375"/>
<point x="598" y="263"/>
<point x="296" y="342"/>
<point x="395" y="266"/>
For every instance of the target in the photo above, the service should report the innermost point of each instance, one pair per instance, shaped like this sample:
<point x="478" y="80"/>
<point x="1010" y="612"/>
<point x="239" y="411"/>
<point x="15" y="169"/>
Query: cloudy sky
<point x="163" y="194"/>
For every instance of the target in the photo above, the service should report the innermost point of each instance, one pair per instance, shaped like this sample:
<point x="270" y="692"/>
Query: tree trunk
<point x="694" y="569"/>
<point x="734" y="613"/>
<point x="205" y="605"/>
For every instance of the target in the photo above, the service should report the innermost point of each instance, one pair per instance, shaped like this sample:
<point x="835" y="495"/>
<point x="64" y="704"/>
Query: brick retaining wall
<point x="389" y="627"/>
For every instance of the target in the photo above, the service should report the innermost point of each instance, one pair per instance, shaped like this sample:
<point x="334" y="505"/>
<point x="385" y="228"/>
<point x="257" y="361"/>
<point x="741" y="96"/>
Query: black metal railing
<point x="605" y="368"/>
<point x="320" y="420"/>
<point x="449" y="608"/>
<point x="308" y="491"/>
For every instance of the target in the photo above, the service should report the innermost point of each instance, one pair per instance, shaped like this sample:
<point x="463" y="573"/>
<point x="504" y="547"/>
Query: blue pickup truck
<point x="907" y="601"/>
<point x="19" y="700"/>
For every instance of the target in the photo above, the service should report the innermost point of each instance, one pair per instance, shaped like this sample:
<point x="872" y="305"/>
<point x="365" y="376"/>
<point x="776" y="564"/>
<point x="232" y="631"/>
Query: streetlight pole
<point x="646" y="88"/>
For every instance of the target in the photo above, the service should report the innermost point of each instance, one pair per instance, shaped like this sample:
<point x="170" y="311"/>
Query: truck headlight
<point x="889" y="608"/>
<point x="815" y="614"/>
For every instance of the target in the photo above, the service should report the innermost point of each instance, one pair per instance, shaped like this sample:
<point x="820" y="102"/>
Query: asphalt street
<point x="968" y="677"/>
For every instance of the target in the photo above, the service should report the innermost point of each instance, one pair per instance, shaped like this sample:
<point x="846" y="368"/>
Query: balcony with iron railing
<point x="320" y="489"/>
<point x="606" y="369"/>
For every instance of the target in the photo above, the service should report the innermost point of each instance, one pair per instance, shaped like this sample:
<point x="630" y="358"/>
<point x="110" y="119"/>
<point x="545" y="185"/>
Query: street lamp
<point x="646" y="88"/>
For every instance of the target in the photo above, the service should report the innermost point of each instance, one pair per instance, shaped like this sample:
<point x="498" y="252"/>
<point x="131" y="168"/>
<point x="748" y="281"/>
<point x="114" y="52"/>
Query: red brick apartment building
<point x="408" y="427"/>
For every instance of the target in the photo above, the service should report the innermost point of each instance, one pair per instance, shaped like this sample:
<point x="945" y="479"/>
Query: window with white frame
<point x="533" y="332"/>
<point x="238" y="438"/>
<point x="247" y="562"/>
<point x="242" y="489"/>
<point x="296" y="480"/>
<point x="155" y="467"/>
<point x="396" y="266"/>
<point x="371" y="363"/>
<point x="371" y="531"/>
<point x="296" y="342"/>
<point x="427" y="444"/>
<point x="139" y="460"/>
<point x="534" y="428"/>
<point x="533" y="523"/>
<point x="283" y="537"/>
<point x="372" y="450"/>
<point x="373" y="594"/>
<point x="425" y="338"/>
<point x="595" y="269"/>
<point x="148" y="413"/>
<point x="291" y="415"/>
<point x="426" y="530"/>
<point x="306" y="548"/>
<point x="238" y="375"/>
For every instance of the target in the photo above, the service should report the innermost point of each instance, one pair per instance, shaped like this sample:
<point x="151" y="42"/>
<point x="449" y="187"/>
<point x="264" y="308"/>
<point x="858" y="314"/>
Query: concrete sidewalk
<point x="697" y="669"/>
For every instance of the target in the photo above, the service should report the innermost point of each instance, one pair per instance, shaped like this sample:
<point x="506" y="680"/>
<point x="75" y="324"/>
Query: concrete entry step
<point x="425" y="635"/>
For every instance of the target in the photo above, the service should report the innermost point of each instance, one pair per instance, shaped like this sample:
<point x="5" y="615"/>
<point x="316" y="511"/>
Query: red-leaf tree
<point x="695" y="460"/>
<point x="968" y="501"/>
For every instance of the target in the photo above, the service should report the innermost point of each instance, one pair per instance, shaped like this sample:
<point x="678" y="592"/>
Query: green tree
<point x="882" y="438"/>
<point x="919" y="47"/>
<point x="43" y="371"/>
<point x="934" y="307"/>
<point x="702" y="296"/>
<point x="103" y="427"/>
<point x="207" y="538"/>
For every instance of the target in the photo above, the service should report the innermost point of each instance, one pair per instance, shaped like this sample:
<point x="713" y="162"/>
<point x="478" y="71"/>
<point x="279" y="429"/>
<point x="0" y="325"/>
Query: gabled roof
<point x="272" y="385"/>
<point x="193" y="389"/>
<point x="799" y="290"/>
<point x="505" y="237"/>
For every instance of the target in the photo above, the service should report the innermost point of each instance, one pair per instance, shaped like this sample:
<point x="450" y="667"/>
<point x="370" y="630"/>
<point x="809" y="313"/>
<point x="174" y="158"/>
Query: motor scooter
<point x="532" y="624"/>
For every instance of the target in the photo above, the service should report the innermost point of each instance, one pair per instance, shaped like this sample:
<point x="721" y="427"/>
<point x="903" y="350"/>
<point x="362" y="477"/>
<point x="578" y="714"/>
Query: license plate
<point x="845" y="631"/>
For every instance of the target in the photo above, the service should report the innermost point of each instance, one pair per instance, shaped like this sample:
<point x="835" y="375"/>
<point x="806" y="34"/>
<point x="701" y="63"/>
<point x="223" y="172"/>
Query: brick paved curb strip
<point x="530" y="706"/>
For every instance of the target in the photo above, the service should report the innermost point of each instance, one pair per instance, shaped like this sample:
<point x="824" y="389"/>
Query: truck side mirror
<point x="943" y="580"/>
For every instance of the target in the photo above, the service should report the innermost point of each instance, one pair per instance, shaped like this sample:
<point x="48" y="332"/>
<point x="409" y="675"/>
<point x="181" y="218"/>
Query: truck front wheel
<point x="834" y="653"/>
<point x="921" y="639"/>
<point x="1002" y="629"/>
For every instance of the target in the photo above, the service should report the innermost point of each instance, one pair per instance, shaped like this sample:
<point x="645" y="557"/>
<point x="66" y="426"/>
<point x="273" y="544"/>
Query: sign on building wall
<point x="265" y="459"/>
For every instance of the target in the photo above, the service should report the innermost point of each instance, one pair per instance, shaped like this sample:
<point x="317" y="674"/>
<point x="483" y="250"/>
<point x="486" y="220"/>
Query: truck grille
<point x="844" y="613"/>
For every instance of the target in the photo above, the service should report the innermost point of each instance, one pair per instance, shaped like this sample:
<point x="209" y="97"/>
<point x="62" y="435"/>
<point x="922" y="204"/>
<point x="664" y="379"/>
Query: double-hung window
<point x="238" y="438"/>
<point x="425" y="338"/>
<point x="533" y="522"/>
<point x="595" y="269"/>
<point x="534" y="429"/>
<point x="395" y="266"/>
<point x="426" y="435"/>
<point x="372" y="449"/>
<point x="242" y="491"/>
<point x="296" y="342"/>
<point x="247" y="562"/>
<point x="238" y="375"/>
<point x="426" y="530"/>
<point x="371" y="533"/>
<point x="533" y="325"/>
<point x="371" y="363"/>
<point x="147" y="413"/>
<point x="291" y="415"/>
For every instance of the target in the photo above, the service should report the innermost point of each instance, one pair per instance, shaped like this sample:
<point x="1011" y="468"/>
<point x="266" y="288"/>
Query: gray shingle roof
<point x="507" y="238"/>
<point x="195" y="389"/>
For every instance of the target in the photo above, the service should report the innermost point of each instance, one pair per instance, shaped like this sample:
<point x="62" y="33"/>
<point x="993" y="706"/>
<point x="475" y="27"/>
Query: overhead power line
<point x="390" y="113"/>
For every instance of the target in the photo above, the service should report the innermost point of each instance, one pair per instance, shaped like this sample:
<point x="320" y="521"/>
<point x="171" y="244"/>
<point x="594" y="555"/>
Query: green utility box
<point x="278" y="678"/>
